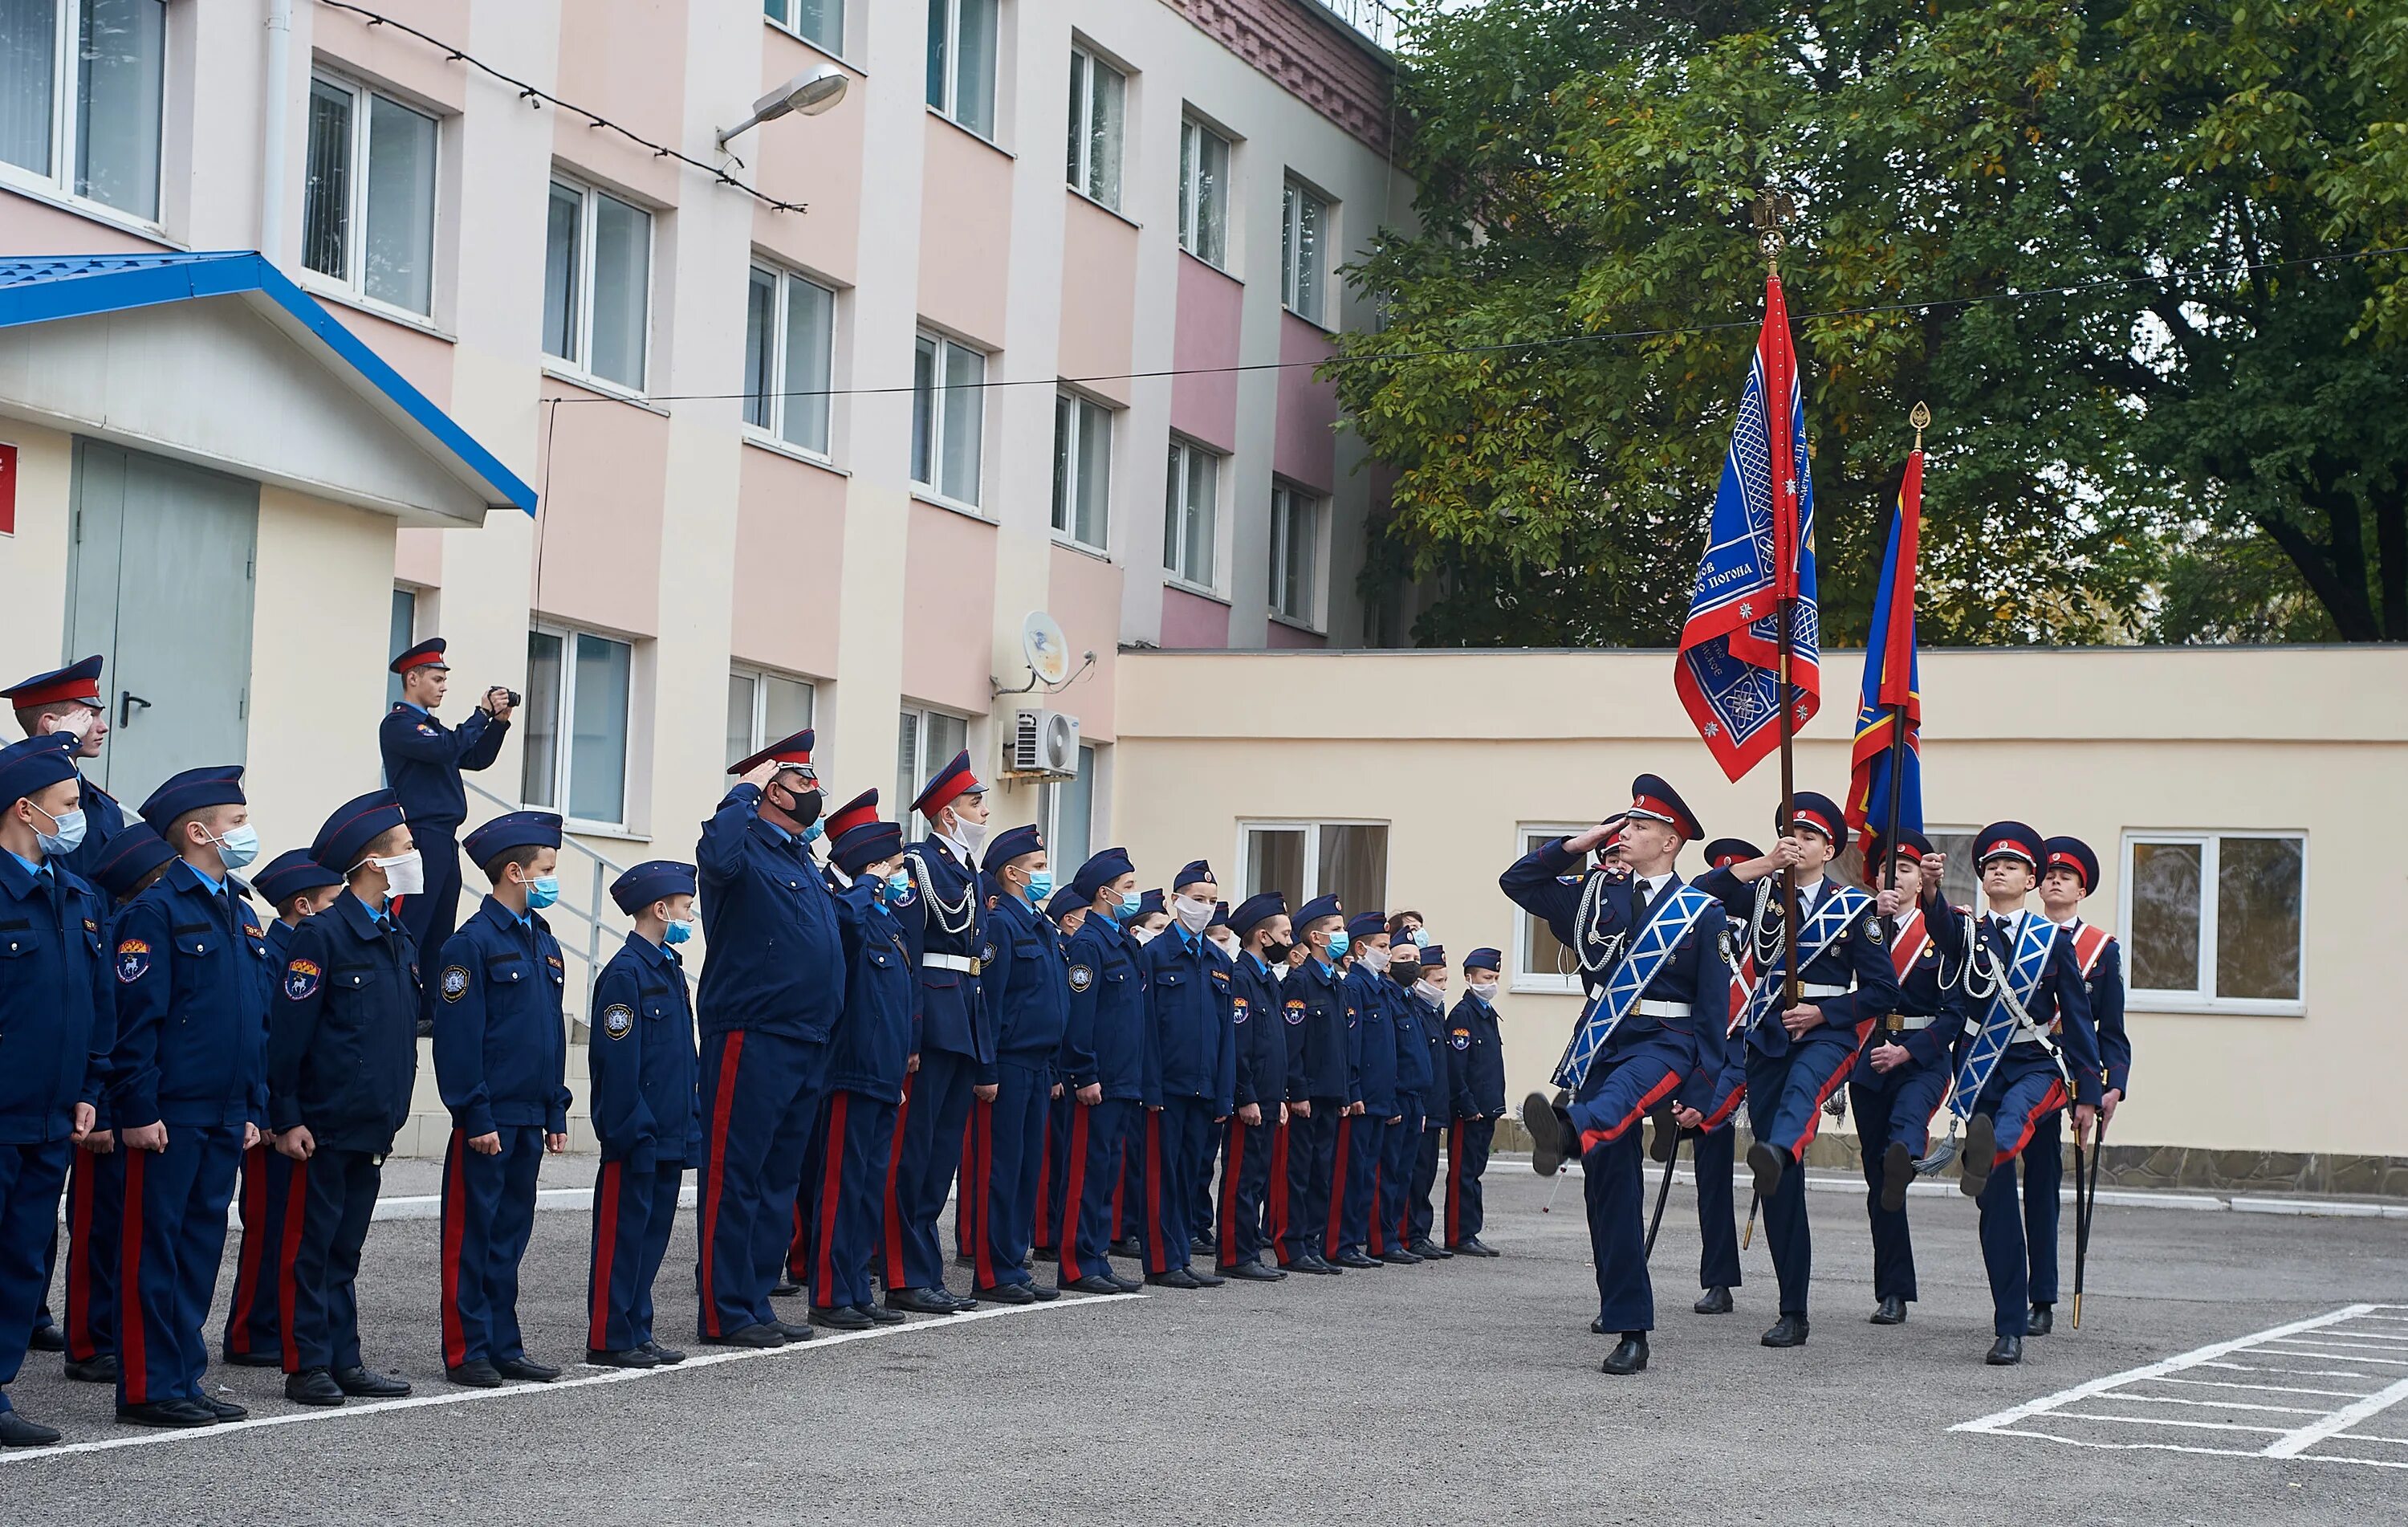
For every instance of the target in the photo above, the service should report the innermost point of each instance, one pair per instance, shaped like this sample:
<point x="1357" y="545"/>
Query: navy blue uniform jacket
<point x="342" y="1034"/>
<point x="1931" y="987"/>
<point x="103" y="819"/>
<point x="1187" y="982"/>
<point x="869" y="1050"/>
<point x="774" y="962"/>
<point x="952" y="1012"/>
<point x="1027" y="980"/>
<point x="1859" y="951"/>
<point x="1371" y="1039"/>
<point x="192" y="984"/>
<point x="641" y="1059"/>
<point x="501" y="1046"/>
<point x="58" y="1016"/>
<point x="422" y="760"/>
<point x="2060" y="1004"/>
<point x="1258" y="1038"/>
<point x="1476" y="1060"/>
<point x="1108" y="1039"/>
<point x="1318" y="1016"/>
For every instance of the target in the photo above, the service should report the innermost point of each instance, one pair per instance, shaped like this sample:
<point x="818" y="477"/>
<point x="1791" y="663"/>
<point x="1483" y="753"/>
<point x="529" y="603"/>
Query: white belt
<point x="1818" y="988"/>
<point x="1660" y="1009"/>
<point x="1906" y="1022"/>
<point x="963" y="963"/>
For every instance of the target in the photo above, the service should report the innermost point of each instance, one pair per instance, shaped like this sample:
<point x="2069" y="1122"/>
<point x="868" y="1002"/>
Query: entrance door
<point x="158" y="583"/>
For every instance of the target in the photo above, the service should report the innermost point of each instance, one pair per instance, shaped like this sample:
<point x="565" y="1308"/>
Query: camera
<point x="509" y="696"/>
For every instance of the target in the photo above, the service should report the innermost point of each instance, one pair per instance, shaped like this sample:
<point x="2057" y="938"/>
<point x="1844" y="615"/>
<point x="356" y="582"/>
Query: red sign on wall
<point x="7" y="490"/>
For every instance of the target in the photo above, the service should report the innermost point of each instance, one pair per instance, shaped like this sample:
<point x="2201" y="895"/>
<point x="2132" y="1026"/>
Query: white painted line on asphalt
<point x="578" y="1377"/>
<point x="2339" y="1421"/>
<point x="2205" y="1404"/>
<point x="2302" y="1372"/>
<point x="2256" y="1389"/>
<point x="2160" y="1420"/>
<point x="2345" y="1354"/>
<point x="2336" y="1209"/>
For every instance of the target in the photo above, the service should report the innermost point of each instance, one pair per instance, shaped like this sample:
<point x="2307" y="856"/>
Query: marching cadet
<point x="1259" y="1085"/>
<point x="296" y="886"/>
<point x="1714" y="1154"/>
<point x="1650" y="949"/>
<point x="1363" y="1132"/>
<point x="68" y="700"/>
<point x="956" y="1037"/>
<point x="1476" y="1066"/>
<point x="1797" y="1057"/>
<point x="342" y="1060"/>
<point x="1320" y="1020"/>
<point x="55" y="1008"/>
<point x="501" y="1062"/>
<point x="641" y="1061"/>
<point x="1408" y="1171"/>
<point x="188" y="1090"/>
<point x="1187" y="1003"/>
<point x="423" y="759"/>
<point x="2028" y="1050"/>
<point x="1109" y="1066"/>
<point x="2069" y="873"/>
<point x="1028" y="995"/>
<point x="1901" y="1072"/>
<point x="772" y="988"/>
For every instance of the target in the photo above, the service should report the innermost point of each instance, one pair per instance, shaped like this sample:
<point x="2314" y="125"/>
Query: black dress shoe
<point x="1127" y="1247"/>
<point x="1789" y="1331"/>
<point x="101" y="1369"/>
<point x="961" y="1302"/>
<point x="793" y="1330"/>
<point x="1399" y="1257"/>
<point x="1597" y="1326"/>
<point x="1352" y="1258"/>
<point x="168" y="1413"/>
<point x="1007" y="1294"/>
<point x="880" y="1315"/>
<point x="920" y="1300"/>
<point x="475" y="1374"/>
<point x="1767" y="1162"/>
<point x="1201" y="1242"/>
<point x="669" y="1357"/>
<point x="1628" y="1357"/>
<point x="2041" y="1321"/>
<point x="841" y="1317"/>
<point x="254" y="1360"/>
<point x="2005" y="1352"/>
<point x="1551" y="1140"/>
<point x="1472" y="1246"/>
<point x="1126" y="1286"/>
<point x="1897" y="1169"/>
<point x="1975" y="1159"/>
<point x="45" y="1339"/>
<point x="756" y="1336"/>
<point x="1178" y="1277"/>
<point x="1892" y="1312"/>
<point x="1317" y="1266"/>
<point x="17" y="1431"/>
<point x="224" y="1410"/>
<point x="1429" y="1250"/>
<point x="1714" y="1301"/>
<point x="632" y="1357"/>
<point x="1206" y="1280"/>
<point x="1095" y="1283"/>
<point x="525" y="1370"/>
<point x="1253" y="1272"/>
<point x="363" y="1384"/>
<point x="313" y="1387"/>
<point x="784" y="1290"/>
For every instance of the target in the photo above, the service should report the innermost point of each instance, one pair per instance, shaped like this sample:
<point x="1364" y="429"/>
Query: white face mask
<point x="1485" y="990"/>
<point x="1376" y="959"/>
<point x="972" y="833"/>
<point x="1192" y="915"/>
<point x="404" y="874"/>
<point x="1279" y="972"/>
<point x="1227" y="945"/>
<point x="1429" y="993"/>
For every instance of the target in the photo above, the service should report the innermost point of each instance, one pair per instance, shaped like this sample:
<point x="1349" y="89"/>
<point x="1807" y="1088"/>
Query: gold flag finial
<point x="1772" y="207"/>
<point x="1920" y="417"/>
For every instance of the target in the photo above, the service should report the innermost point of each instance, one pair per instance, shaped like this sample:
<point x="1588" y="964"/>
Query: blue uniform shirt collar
<point x="195" y="877"/>
<point x="20" y="875"/>
<point x="413" y="705"/>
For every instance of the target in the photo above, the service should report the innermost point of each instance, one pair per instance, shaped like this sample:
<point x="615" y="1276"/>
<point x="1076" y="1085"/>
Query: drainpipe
<point x="272" y="130"/>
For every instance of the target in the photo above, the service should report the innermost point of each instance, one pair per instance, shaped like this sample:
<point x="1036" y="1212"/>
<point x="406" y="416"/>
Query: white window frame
<point x="564" y="746"/>
<point x="1176" y="510"/>
<point x="1082" y="409"/>
<point x="781" y="13"/>
<point x="915" y="826"/>
<point x="1311" y="828"/>
<point x="941" y="345"/>
<point x="353" y="282"/>
<point x="1292" y="293"/>
<point x="2202" y="997"/>
<point x="759" y="731"/>
<point x="1528" y="836"/>
<point x="57" y="183"/>
<point x="581" y="368"/>
<point x="1282" y="529"/>
<point x="1191" y="203"/>
<point x="950" y="88"/>
<point x="783" y="279"/>
<point x="1083" y="170"/>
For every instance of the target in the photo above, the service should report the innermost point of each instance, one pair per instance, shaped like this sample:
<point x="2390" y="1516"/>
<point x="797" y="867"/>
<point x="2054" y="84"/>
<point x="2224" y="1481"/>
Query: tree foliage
<point x="2097" y="236"/>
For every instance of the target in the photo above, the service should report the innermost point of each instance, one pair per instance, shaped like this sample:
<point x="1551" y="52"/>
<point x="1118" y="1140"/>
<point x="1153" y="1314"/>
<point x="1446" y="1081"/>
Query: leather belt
<point x="1821" y="989"/>
<point x="1898" y="1023"/>
<point x="1660" y="1009"/>
<point x="963" y="963"/>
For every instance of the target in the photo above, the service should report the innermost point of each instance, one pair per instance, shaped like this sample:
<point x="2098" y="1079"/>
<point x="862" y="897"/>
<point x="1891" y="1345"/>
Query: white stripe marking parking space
<point x="576" y="1379"/>
<point x="2086" y="1415"/>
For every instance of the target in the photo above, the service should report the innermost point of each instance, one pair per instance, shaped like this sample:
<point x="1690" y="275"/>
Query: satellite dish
<point x="1046" y="648"/>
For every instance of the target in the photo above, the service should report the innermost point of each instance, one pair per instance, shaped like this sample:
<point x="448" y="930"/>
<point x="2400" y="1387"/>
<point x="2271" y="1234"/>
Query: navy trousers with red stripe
<point x="927" y="1151"/>
<point x="1785" y="1108"/>
<point x="1311" y="1165"/>
<point x="31" y="1177"/>
<point x="95" y="1214"/>
<point x="1466" y="1157"/>
<point x="760" y="1094"/>
<point x="1246" y="1155"/>
<point x="1620" y="1090"/>
<point x="173" y="1238"/>
<point x="1400" y="1154"/>
<point x="1715" y="1156"/>
<point x="1090" y="1174"/>
<point x="1008" y="1146"/>
<point x="329" y="1201"/>
<point x="1200" y="1184"/>
<point x="2044" y="1159"/>
<point x="1176" y="1135"/>
<point x="635" y="1208"/>
<point x="1058" y="1112"/>
<point x="488" y="1215"/>
<point x="2020" y="1094"/>
<point x="1900" y="1113"/>
<point x="1354" y="1170"/>
<point x="851" y="1151"/>
<point x="254" y="1319"/>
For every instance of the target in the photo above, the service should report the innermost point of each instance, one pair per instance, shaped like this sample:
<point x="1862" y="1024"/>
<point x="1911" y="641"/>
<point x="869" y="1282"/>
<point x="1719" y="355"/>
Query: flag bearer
<point x="1476" y="1065"/>
<point x="1187" y="994"/>
<point x="1029" y="993"/>
<point x="1260" y="1091"/>
<point x="1108" y="1065"/>
<point x="1319" y="1015"/>
<point x="2069" y="873"/>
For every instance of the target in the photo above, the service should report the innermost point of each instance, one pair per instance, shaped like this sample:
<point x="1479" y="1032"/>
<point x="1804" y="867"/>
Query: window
<point x="1082" y="469"/>
<point x="1295" y="554"/>
<point x="764" y="708"/>
<point x="367" y="199"/>
<point x="1540" y="961"/>
<point x="597" y="256"/>
<point x="82" y="92"/>
<point x="577" y="707"/>
<point x="1096" y="90"/>
<point x="1303" y="218"/>
<point x="948" y="416"/>
<point x="2215" y="922"/>
<point x="1306" y="859"/>
<point x="961" y="61"/>
<point x="403" y="635"/>
<point x="1190" y="505"/>
<point x="1065" y="814"/>
<point x="819" y="23"/>
<point x="924" y="742"/>
<point x="1204" y="194"/>
<point x="789" y="357"/>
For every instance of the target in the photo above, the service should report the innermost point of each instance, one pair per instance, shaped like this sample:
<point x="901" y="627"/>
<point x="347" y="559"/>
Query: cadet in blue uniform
<point x="1065" y="912"/>
<point x="188" y="1090"/>
<point x="1028" y="996"/>
<point x="1708" y="1121"/>
<point x="1476" y="1093"/>
<point x="772" y="987"/>
<point x="2050" y="1057"/>
<point x="1650" y="949"/>
<point x="1797" y="1057"/>
<point x="68" y="700"/>
<point x="1188" y="1003"/>
<point x="422" y="762"/>
<point x="957" y="1041"/>
<point x="1371" y="1059"/>
<point x="1319" y="1018"/>
<point x="1258" y="1085"/>
<point x="1152" y="916"/>
<point x="2069" y="873"/>
<point x="56" y="1009"/>
<point x="642" y="1064"/>
<point x="1108" y="1066"/>
<point x="1421" y="1068"/>
<point x="1903" y="1069"/>
<point x="501" y="1062"/>
<point x="296" y="886"/>
<point x="342" y="1060"/>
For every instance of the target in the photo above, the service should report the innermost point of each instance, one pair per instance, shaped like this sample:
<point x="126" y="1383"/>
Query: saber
<point x="2086" y="1205"/>
<point x="1549" y="1208"/>
<point x="1664" y="1196"/>
<point x="1748" y="1235"/>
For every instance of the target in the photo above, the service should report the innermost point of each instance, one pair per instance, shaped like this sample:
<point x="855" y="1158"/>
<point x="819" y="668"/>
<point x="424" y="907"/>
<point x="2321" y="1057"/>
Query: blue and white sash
<point x="1667" y="922"/>
<point x="2018" y="985"/>
<point x="1833" y="915"/>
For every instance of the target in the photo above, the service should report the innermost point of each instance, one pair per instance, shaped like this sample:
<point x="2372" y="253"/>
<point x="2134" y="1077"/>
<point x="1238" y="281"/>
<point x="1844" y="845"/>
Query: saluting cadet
<point x="1109" y="1066"/>
<point x="1425" y="1095"/>
<point x="56" y="1009"/>
<point x="68" y="700"/>
<point x="342" y="1059"/>
<point x="1476" y="1069"/>
<point x="188" y="1090"/>
<point x="2069" y="873"/>
<point x="957" y="1036"/>
<point x="641" y="1061"/>
<point x="1650" y="949"/>
<point x="1187" y="1003"/>
<point x="772" y="988"/>
<point x="1371" y="1055"/>
<point x="296" y="886"/>
<point x="1028" y="995"/>
<point x="1319" y="1018"/>
<point x="501" y="1062"/>
<point x="1797" y="1057"/>
<point x="1709" y="1122"/>
<point x="1258" y="1087"/>
<point x="1903" y="1069"/>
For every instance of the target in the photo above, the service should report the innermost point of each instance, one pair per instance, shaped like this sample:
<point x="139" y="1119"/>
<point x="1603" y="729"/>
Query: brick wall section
<point x="1309" y="52"/>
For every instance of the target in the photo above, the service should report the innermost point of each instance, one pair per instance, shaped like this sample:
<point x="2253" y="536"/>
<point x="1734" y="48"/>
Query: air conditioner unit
<point x="1045" y="743"/>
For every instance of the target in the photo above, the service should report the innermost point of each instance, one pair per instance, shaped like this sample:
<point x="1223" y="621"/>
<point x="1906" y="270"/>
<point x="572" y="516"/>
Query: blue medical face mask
<point x="814" y="833"/>
<point x="1419" y="937"/>
<point x="1041" y="885"/>
<point x="679" y="931"/>
<point x="1339" y="943"/>
<point x="67" y="835"/>
<point x="542" y="891"/>
<point x="898" y="886"/>
<point x="239" y="848"/>
<point x="1130" y="904"/>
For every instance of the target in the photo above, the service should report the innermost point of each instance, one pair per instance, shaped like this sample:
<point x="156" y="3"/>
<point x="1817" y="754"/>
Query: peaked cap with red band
<point x="860" y="811"/>
<point x="2012" y="839"/>
<point x="1652" y="797"/>
<point x="793" y="750"/>
<point x="75" y="682"/>
<point x="2074" y="854"/>
<point x="947" y="785"/>
<point x="427" y="653"/>
<point x="1818" y="812"/>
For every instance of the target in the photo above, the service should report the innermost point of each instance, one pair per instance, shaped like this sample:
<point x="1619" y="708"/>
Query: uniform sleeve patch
<point x="618" y="1021"/>
<point x="425" y="730"/>
<point x="1296" y="1010"/>
<point x="453" y="983"/>
<point x="301" y="979"/>
<point x="1237" y="1010"/>
<point x="91" y="927"/>
<point x="1872" y="929"/>
<point x="1461" y="1039"/>
<point x="133" y="960"/>
<point x="987" y="956"/>
<point x="1081" y="978"/>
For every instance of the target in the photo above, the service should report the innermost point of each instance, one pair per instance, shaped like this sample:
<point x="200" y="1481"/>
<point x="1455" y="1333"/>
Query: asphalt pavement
<point x="1466" y="1390"/>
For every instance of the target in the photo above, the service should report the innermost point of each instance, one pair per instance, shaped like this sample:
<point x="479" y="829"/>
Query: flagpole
<point x="1771" y="207"/>
<point x="1920" y="417"/>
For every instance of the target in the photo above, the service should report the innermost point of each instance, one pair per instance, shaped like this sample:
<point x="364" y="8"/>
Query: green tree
<point x="2096" y="237"/>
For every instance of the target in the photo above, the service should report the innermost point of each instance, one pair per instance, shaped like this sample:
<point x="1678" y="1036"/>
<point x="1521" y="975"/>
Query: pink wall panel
<point x="1205" y="333"/>
<point x="815" y="161"/>
<point x="418" y="557"/>
<point x="31" y="228"/>
<point x="631" y="70"/>
<point x="1278" y="637"/>
<point x="1190" y="621"/>
<point x="424" y="361"/>
<point x="964" y="232"/>
<point x="1098" y="298"/>
<point x="948" y="609"/>
<point x="786" y="600"/>
<point x="599" y="537"/>
<point x="385" y="55"/>
<point x="1304" y="449"/>
<point x="1084" y="594"/>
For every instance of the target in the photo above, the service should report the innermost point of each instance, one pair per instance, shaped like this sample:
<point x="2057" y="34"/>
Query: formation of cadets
<point x="2005" y="1017"/>
<point x="868" y="1029"/>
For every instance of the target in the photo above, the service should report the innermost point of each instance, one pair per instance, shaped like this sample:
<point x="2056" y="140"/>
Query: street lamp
<point x="810" y="93"/>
